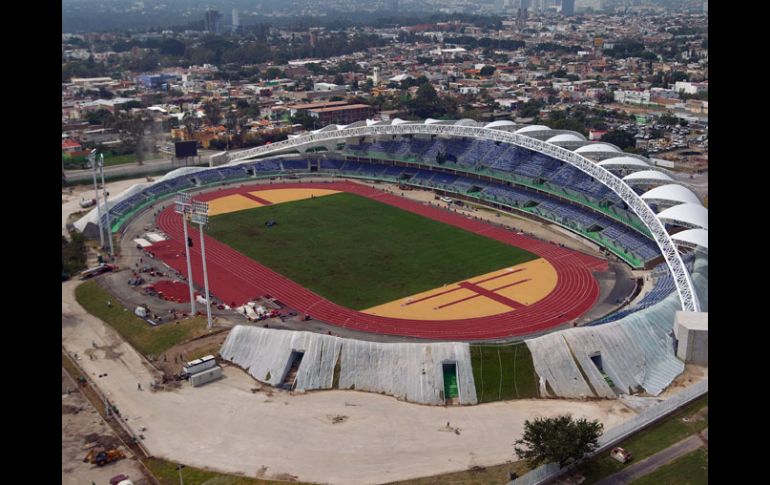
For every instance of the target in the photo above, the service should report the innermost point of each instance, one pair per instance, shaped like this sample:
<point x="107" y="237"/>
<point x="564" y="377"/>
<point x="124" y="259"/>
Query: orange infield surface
<point x="250" y="200"/>
<point x="490" y="294"/>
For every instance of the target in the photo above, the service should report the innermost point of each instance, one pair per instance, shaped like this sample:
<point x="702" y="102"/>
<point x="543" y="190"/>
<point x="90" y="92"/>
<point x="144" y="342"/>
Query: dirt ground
<point x="82" y="429"/>
<point x="340" y="437"/>
<point x="692" y="374"/>
<point x="171" y="361"/>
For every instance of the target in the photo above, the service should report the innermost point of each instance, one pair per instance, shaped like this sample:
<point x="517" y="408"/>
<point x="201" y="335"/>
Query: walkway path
<point x="652" y="463"/>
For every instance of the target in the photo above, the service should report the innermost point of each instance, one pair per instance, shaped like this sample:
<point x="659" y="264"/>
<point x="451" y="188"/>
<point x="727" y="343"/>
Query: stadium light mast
<point x="106" y="206"/>
<point x="92" y="159"/>
<point x="184" y="207"/>
<point x="200" y="216"/>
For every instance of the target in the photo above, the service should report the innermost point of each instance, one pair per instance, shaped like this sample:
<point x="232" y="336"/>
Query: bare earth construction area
<point x="227" y="426"/>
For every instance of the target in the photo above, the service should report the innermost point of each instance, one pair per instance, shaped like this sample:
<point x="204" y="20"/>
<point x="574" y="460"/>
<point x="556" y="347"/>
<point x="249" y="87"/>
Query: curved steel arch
<point x="684" y="286"/>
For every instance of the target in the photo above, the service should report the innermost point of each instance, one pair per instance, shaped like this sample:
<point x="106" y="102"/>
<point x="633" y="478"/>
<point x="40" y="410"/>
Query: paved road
<point x="652" y="463"/>
<point x="134" y="169"/>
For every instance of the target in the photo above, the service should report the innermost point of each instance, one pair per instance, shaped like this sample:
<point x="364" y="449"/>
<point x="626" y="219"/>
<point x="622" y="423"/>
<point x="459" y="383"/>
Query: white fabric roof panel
<point x="623" y="161"/>
<point x="566" y="137"/>
<point x="688" y="214"/>
<point x="499" y="123"/>
<point x="467" y="122"/>
<point x="646" y="176"/>
<point x="530" y="128"/>
<point x="597" y="147"/>
<point x="697" y="237"/>
<point x="672" y="193"/>
<point x="411" y="371"/>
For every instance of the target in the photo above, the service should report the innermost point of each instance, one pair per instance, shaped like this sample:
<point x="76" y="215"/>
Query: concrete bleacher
<point x="294" y="164"/>
<point x="207" y="177"/>
<point x="664" y="286"/>
<point x="232" y="172"/>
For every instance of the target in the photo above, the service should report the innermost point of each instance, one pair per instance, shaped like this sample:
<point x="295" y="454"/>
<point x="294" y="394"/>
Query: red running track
<point x="236" y="278"/>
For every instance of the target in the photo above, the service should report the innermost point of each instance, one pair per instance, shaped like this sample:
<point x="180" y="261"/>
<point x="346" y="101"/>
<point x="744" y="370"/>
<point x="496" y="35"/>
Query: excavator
<point x="101" y="456"/>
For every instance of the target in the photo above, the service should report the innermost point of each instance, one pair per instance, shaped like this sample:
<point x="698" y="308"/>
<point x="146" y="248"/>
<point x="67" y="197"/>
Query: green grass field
<point x="691" y="469"/>
<point x="503" y="372"/>
<point x="358" y="252"/>
<point x="167" y="474"/>
<point x="146" y="339"/>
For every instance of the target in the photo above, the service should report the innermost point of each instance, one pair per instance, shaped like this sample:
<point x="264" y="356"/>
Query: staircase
<point x="291" y="377"/>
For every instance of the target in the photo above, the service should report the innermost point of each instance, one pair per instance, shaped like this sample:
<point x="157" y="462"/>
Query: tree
<point x="668" y="119"/>
<point x="191" y="124"/>
<point x="231" y="122"/>
<point x="622" y="139"/>
<point x="561" y="440"/>
<point x="426" y="102"/>
<point x="211" y="111"/>
<point x="487" y="70"/>
<point x="530" y="109"/>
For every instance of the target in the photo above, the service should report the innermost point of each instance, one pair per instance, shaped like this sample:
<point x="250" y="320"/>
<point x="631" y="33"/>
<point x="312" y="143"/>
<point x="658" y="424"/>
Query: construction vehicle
<point x="101" y="456"/>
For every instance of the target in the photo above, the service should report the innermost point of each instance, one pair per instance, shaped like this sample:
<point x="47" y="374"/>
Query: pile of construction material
<point x="202" y="371"/>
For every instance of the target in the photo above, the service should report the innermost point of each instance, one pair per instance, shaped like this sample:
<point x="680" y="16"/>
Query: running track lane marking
<point x="489" y="294"/>
<point x="460" y="288"/>
<point x="255" y="198"/>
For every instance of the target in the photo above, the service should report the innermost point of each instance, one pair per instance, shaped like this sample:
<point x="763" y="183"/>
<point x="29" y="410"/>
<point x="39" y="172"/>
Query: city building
<point x="212" y="22"/>
<point x="236" y="20"/>
<point x="342" y="115"/>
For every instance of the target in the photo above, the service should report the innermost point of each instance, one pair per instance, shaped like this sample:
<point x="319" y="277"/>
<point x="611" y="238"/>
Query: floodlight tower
<point x="184" y="207"/>
<point x="92" y="159"/>
<point x="200" y="216"/>
<point x="106" y="206"/>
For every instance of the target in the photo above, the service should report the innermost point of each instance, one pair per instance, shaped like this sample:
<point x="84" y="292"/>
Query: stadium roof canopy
<point x="564" y="137"/>
<point x="597" y="147"/>
<point x="647" y="176"/>
<point x="623" y="162"/>
<point x="692" y="237"/>
<point x="531" y="128"/>
<point x="689" y="215"/>
<point x="671" y="193"/>
<point x="499" y="123"/>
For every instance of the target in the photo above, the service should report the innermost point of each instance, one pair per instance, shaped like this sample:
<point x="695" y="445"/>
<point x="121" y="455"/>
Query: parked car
<point x="620" y="455"/>
<point x="102" y="268"/>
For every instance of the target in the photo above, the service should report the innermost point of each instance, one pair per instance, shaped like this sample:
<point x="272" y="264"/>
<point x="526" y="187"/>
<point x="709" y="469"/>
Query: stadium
<point x="329" y="225"/>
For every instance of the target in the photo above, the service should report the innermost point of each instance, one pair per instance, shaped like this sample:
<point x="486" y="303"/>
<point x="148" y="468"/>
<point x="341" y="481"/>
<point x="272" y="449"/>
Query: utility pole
<point x="92" y="159"/>
<point x="179" y="467"/>
<point x="106" y="206"/>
